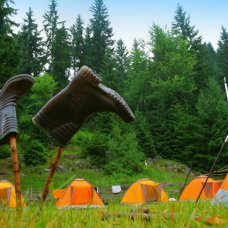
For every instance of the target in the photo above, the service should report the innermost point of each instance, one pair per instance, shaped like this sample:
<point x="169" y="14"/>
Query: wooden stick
<point x="51" y="173"/>
<point x="16" y="170"/>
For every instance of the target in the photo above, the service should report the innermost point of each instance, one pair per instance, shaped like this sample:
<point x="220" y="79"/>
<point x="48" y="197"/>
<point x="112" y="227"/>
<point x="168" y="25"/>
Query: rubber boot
<point x="65" y="113"/>
<point x="11" y="92"/>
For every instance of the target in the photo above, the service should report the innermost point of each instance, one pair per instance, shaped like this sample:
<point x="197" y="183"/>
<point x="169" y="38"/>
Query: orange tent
<point x="193" y="189"/>
<point x="79" y="193"/>
<point x="7" y="194"/>
<point x="57" y="193"/>
<point x="144" y="191"/>
<point x="222" y="195"/>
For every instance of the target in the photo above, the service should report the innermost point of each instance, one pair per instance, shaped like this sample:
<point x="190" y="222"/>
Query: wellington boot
<point x="11" y="92"/>
<point x="65" y="113"/>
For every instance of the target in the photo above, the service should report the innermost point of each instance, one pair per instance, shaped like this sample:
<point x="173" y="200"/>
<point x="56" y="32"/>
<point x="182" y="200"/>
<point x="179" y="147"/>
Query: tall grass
<point x="173" y="214"/>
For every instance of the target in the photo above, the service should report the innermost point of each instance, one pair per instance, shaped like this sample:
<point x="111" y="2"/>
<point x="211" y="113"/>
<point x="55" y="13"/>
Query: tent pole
<point x="51" y="173"/>
<point x="183" y="187"/>
<point x="212" y="167"/>
<point x="16" y="170"/>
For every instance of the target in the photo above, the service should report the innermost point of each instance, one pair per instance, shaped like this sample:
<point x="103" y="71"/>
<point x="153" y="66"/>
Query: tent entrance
<point x="4" y="195"/>
<point x="149" y="193"/>
<point x="81" y="195"/>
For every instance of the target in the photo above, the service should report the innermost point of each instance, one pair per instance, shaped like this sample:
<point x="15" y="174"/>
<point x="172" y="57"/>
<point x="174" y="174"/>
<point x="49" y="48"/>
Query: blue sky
<point x="133" y="18"/>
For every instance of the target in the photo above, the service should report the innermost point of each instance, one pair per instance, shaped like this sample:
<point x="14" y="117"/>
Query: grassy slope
<point x="35" y="177"/>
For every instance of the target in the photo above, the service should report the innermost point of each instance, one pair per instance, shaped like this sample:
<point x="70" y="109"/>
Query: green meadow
<point x="173" y="214"/>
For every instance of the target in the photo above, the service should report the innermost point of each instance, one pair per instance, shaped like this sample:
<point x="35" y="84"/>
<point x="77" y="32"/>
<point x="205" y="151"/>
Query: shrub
<point x="5" y="151"/>
<point x="124" y="154"/>
<point x="96" y="149"/>
<point x="35" y="153"/>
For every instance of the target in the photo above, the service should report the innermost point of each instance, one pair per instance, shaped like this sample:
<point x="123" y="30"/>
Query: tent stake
<point x="212" y="167"/>
<point x="16" y="171"/>
<point x="51" y="173"/>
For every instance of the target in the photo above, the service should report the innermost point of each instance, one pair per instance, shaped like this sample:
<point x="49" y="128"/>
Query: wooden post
<point x="16" y="171"/>
<point x="51" y="173"/>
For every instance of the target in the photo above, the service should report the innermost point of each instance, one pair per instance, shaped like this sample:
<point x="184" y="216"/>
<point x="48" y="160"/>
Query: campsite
<point x="113" y="113"/>
<point x="162" y="214"/>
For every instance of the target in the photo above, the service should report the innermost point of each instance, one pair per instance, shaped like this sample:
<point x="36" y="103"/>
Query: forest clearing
<point x="96" y="134"/>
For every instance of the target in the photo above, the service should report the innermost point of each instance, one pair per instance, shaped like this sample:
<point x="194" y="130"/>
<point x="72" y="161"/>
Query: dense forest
<point x="173" y="82"/>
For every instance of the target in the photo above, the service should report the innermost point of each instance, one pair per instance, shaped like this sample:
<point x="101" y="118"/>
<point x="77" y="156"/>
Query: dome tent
<point x="193" y="189"/>
<point x="144" y="191"/>
<point x="79" y="193"/>
<point x="222" y="195"/>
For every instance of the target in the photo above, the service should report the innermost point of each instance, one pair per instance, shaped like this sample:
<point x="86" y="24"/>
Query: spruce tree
<point x="88" y="50"/>
<point x="181" y="25"/>
<point x="122" y="58"/>
<point x="108" y="70"/>
<point x="170" y="85"/>
<point x="10" y="53"/>
<point x="204" y="69"/>
<point x="222" y="55"/>
<point x="60" y="65"/>
<point x="50" y="24"/>
<point x="212" y="119"/>
<point x="77" y="44"/>
<point x="101" y="34"/>
<point x="32" y="45"/>
<point x="136" y="83"/>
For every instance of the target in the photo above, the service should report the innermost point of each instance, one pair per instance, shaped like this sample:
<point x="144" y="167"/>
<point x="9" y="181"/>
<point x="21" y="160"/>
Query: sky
<point x="133" y="18"/>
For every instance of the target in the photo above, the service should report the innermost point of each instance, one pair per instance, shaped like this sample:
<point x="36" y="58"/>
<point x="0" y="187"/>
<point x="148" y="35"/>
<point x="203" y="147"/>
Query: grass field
<point x="173" y="214"/>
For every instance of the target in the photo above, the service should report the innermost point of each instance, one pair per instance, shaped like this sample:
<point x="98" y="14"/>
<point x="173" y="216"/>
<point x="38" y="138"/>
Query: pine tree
<point x="31" y="41"/>
<point x="50" y="27"/>
<point x="108" y="70"/>
<point x="77" y="44"/>
<point x="170" y="86"/>
<point x="60" y="65"/>
<point x="10" y="53"/>
<point x="136" y="83"/>
<point x="222" y="55"/>
<point x="203" y="68"/>
<point x="122" y="58"/>
<point x="181" y="25"/>
<point x="88" y="50"/>
<point x="203" y="133"/>
<point x="101" y="34"/>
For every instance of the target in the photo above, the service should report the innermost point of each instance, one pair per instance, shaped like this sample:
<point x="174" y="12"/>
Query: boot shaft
<point x="11" y="92"/>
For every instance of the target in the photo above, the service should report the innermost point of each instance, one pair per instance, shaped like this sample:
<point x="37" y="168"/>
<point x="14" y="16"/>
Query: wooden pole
<point x="16" y="170"/>
<point x="51" y="173"/>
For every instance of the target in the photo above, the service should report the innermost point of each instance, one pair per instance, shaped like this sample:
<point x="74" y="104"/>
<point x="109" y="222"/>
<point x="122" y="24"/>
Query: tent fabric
<point x="57" y="193"/>
<point x="193" y="189"/>
<point x="144" y="191"/>
<point x="7" y="194"/>
<point x="79" y="193"/>
<point x="222" y="195"/>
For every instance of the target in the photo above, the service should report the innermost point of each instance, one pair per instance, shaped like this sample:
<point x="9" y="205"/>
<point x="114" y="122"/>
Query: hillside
<point x="170" y="173"/>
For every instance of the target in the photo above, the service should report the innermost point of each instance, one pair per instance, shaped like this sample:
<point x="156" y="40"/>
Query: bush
<point x="96" y="148"/>
<point x="81" y="138"/>
<point x="124" y="154"/>
<point x="35" y="153"/>
<point x="5" y="151"/>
